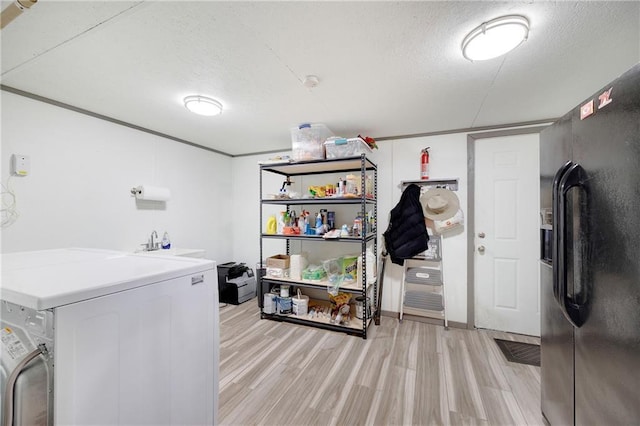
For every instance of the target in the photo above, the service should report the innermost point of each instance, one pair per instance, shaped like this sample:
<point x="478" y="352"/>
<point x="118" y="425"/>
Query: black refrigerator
<point x="590" y="259"/>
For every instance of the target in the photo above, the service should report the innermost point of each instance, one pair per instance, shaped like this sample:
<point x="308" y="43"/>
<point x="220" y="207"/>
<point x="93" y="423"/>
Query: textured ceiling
<point x="385" y="68"/>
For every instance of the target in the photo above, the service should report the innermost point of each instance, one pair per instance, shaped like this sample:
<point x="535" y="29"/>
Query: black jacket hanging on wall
<point x="407" y="234"/>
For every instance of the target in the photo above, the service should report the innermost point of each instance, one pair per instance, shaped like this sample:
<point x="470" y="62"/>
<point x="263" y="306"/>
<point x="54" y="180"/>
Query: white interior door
<point x="506" y="237"/>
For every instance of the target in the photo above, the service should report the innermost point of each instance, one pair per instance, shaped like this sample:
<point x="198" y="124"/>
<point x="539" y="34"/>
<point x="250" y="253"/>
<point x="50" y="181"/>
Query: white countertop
<point x="49" y="278"/>
<point x="187" y="252"/>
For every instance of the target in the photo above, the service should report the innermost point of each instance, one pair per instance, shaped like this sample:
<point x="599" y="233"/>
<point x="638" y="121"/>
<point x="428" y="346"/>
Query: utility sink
<point x="199" y="253"/>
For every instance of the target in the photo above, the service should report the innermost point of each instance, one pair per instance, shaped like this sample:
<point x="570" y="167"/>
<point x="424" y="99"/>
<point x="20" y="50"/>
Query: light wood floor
<point x="408" y="373"/>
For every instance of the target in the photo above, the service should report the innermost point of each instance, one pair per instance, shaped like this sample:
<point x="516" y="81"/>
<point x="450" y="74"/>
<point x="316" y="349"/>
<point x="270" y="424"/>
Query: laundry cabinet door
<point x="141" y="356"/>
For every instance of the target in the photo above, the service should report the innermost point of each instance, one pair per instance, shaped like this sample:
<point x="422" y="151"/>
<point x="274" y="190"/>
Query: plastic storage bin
<point x="307" y="141"/>
<point x="341" y="148"/>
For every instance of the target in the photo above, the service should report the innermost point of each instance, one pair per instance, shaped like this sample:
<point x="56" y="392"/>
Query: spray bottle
<point x="319" y="224"/>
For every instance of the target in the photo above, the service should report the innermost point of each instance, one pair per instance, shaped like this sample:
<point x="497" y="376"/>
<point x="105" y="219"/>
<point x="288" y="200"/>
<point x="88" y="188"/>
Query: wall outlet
<point x="20" y="165"/>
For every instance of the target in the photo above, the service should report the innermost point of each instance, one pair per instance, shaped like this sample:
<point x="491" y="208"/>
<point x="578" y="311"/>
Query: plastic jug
<point x="352" y="185"/>
<point x="272" y="225"/>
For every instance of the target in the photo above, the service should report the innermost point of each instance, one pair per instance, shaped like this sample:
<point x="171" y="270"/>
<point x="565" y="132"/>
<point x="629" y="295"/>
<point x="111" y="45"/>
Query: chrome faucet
<point x="153" y="245"/>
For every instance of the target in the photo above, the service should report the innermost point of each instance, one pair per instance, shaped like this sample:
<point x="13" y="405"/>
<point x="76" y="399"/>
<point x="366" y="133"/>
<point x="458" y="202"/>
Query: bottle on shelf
<point x="352" y="185"/>
<point x="280" y="228"/>
<point x="272" y="225"/>
<point x="357" y="227"/>
<point x="319" y="224"/>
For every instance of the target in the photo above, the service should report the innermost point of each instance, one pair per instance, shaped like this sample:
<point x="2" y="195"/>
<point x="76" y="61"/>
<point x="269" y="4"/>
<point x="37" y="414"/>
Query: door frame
<point x="471" y="181"/>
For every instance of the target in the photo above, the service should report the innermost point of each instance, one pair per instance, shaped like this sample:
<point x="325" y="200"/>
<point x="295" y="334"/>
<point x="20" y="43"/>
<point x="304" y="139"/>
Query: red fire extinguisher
<point x="424" y="164"/>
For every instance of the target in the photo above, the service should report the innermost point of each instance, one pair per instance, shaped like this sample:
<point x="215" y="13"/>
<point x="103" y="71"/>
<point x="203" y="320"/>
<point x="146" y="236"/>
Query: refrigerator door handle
<point x="556" y="252"/>
<point x="573" y="177"/>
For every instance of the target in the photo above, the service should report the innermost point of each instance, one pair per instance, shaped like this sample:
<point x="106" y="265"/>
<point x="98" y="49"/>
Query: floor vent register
<point x="522" y="353"/>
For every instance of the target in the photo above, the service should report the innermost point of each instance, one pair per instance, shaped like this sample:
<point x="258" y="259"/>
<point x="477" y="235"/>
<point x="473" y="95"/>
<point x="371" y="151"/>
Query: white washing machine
<point x="104" y="337"/>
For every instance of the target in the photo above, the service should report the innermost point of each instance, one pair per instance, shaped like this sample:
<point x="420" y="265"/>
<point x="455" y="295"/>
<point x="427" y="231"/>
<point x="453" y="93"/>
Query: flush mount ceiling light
<point x="202" y="105"/>
<point x="495" y="38"/>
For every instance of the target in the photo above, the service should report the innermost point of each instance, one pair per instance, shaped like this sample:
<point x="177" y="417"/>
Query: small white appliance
<point x="127" y="338"/>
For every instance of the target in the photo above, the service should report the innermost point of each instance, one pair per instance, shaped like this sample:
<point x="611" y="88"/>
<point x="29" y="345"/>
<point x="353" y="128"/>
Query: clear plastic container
<point x="343" y="148"/>
<point x="307" y="141"/>
<point x="351" y="187"/>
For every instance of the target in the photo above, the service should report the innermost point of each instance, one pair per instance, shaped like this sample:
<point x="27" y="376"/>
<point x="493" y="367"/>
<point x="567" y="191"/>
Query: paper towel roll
<point x="152" y="193"/>
<point x="297" y="263"/>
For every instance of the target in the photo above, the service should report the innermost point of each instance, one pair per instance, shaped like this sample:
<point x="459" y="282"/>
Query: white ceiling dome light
<point x="495" y="38"/>
<point x="202" y="105"/>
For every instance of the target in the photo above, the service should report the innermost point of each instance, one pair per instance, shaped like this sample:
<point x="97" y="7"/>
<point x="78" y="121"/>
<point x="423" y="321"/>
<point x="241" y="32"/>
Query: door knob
<point x="481" y="235"/>
<point x="481" y="249"/>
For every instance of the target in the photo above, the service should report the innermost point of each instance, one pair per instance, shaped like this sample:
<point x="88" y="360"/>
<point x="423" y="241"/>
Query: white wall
<point x="246" y="212"/>
<point x="448" y="159"/>
<point x="82" y="170"/>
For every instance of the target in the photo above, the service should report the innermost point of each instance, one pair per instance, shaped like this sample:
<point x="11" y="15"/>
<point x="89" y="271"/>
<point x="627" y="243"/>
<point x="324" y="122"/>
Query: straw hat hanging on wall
<point x="439" y="204"/>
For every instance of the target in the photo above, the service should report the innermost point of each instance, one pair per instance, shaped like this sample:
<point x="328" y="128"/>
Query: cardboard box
<point x="278" y="261"/>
